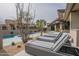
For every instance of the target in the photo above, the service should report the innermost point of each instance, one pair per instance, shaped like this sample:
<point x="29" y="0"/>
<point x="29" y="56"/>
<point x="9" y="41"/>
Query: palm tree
<point x="40" y="24"/>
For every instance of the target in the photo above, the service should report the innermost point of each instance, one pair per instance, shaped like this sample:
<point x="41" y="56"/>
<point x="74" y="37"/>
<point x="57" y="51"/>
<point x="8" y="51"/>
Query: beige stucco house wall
<point x="72" y="15"/>
<point x="74" y="28"/>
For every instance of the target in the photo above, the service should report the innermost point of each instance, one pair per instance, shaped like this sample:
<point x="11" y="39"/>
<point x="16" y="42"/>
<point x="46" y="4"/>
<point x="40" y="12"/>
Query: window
<point x="4" y="28"/>
<point x="12" y="27"/>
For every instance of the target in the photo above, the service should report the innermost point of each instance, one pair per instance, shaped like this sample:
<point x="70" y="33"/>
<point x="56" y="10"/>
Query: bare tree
<point x="19" y="12"/>
<point x="27" y="18"/>
<point x="23" y="15"/>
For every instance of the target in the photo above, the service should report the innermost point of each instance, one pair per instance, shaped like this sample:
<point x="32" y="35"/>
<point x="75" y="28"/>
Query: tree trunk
<point x="24" y="37"/>
<point x="41" y="32"/>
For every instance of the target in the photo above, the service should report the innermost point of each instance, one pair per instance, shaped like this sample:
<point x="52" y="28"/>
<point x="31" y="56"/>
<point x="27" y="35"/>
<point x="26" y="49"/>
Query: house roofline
<point x="67" y="11"/>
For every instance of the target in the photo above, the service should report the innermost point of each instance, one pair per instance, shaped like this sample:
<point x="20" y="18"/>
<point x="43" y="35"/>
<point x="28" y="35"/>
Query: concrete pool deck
<point x="22" y="53"/>
<point x="11" y="50"/>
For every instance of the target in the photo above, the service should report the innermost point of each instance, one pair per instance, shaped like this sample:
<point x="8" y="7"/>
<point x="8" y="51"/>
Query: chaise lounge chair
<point x="43" y="48"/>
<point x="51" y="34"/>
<point x="50" y="38"/>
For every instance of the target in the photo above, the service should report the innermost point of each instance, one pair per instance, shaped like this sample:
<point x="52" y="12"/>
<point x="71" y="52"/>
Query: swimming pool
<point x="12" y="35"/>
<point x="8" y="41"/>
<point x="8" y="35"/>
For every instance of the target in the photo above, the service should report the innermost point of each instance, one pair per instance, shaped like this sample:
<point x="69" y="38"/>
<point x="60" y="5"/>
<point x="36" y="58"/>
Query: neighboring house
<point x="58" y="24"/>
<point x="61" y="24"/>
<point x="72" y="15"/>
<point x="54" y="26"/>
<point x="11" y="24"/>
<point x="8" y="27"/>
<point x="3" y="27"/>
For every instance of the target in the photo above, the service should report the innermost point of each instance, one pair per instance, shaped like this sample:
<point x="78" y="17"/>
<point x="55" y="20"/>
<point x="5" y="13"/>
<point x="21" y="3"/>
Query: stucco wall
<point x="74" y="20"/>
<point x="74" y="28"/>
<point x="74" y="37"/>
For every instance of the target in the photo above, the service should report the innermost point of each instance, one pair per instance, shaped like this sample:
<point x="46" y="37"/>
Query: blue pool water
<point x="8" y="35"/>
<point x="12" y="35"/>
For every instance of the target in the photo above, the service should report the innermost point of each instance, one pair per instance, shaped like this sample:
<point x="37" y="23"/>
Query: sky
<point x="46" y="11"/>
